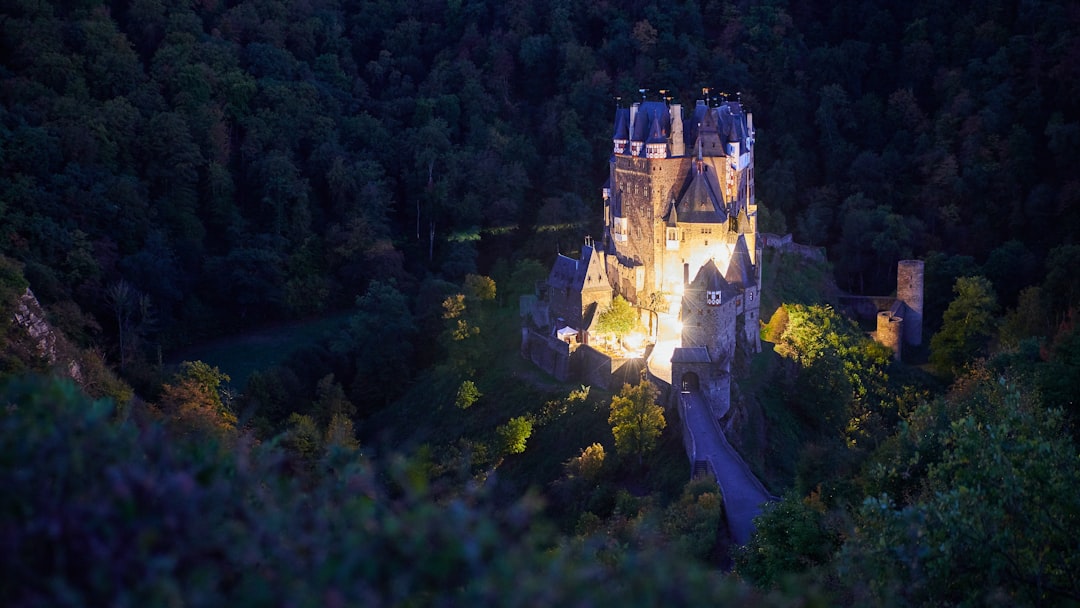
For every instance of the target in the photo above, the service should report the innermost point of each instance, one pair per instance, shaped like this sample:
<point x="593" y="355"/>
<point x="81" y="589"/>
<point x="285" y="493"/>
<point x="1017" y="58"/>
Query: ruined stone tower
<point x="909" y="290"/>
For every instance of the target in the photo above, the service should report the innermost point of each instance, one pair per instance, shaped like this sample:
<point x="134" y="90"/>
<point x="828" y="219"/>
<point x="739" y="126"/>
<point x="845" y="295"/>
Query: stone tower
<point x="708" y="315"/>
<point x="909" y="290"/>
<point x="890" y="329"/>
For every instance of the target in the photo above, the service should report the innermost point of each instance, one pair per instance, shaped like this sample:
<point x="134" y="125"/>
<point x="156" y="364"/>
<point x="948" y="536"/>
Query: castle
<point x="680" y="242"/>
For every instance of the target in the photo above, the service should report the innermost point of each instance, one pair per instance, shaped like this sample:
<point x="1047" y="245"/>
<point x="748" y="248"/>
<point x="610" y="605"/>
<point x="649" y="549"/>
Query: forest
<point x="178" y="172"/>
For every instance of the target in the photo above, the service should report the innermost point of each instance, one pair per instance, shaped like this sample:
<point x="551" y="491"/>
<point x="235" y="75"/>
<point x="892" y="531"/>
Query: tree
<point x="467" y="395"/>
<point x="635" y="419"/>
<point x="994" y="516"/>
<point x="193" y="404"/>
<point x="479" y="287"/>
<point x="589" y="464"/>
<point x="340" y="433"/>
<point x="330" y="400"/>
<point x="511" y="437"/>
<point x="695" y="523"/>
<point x="966" y="327"/>
<point x="790" y="537"/>
<point x="620" y="318"/>
<point x="380" y="338"/>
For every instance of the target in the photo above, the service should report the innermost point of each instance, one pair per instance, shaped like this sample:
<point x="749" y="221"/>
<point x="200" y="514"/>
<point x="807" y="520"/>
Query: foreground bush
<point x="96" y="512"/>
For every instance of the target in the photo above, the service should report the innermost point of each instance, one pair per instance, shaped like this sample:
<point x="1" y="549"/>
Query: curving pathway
<point x="743" y="494"/>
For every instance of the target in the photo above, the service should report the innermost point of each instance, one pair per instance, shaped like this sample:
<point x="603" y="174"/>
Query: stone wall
<point x="547" y="352"/>
<point x="785" y="243"/>
<point x="595" y="368"/>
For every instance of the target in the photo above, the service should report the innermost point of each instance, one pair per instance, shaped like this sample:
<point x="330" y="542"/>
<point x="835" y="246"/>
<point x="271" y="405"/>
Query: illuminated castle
<point x="680" y="196"/>
<point x="680" y="237"/>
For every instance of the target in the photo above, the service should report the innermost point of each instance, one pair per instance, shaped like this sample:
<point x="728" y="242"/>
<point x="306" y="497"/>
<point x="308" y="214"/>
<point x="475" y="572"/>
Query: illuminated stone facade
<point x="680" y="196"/>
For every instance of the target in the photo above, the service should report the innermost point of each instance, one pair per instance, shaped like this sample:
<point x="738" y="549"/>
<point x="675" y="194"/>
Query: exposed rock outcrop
<point x="49" y="343"/>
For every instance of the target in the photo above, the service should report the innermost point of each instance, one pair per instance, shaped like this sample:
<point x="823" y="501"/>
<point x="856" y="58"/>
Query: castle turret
<point x="678" y="143"/>
<point x="890" y="329"/>
<point x="909" y="290"/>
<point x="708" y="315"/>
<point x="621" y="138"/>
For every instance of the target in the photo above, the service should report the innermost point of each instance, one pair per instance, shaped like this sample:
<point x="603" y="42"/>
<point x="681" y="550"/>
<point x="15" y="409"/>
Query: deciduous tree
<point x="636" y="420"/>
<point x="966" y="327"/>
<point x="620" y="318"/>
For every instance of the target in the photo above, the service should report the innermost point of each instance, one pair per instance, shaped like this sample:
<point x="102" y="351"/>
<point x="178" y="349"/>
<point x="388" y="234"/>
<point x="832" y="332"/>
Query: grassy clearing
<point x="241" y="355"/>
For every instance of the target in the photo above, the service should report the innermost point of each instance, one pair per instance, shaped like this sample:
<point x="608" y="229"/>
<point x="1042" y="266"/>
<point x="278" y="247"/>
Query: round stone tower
<point x="890" y="330"/>
<point x="909" y="290"/>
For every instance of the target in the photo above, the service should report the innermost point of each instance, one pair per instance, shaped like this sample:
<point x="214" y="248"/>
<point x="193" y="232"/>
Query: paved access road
<point x="743" y="494"/>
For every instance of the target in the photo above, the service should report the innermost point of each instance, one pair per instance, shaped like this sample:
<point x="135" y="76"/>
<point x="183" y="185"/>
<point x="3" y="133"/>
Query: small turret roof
<point x="656" y="136"/>
<point x="740" y="269"/>
<point x="712" y="127"/>
<point x="622" y="124"/>
<point x="648" y="112"/>
<point x="709" y="279"/>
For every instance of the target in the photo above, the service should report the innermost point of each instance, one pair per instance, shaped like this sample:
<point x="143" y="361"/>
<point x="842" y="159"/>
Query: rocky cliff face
<point x="48" y="343"/>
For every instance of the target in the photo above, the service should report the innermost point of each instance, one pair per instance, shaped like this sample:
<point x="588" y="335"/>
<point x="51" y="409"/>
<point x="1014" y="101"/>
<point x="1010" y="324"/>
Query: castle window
<point x="672" y="238"/>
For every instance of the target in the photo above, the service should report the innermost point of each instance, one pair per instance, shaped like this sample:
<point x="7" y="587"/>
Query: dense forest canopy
<point x="239" y="162"/>
<point x="175" y="171"/>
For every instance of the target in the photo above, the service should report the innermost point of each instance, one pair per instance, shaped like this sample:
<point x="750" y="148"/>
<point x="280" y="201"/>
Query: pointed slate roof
<point x="709" y="279"/>
<point x="740" y="269"/>
<point x="585" y="273"/>
<point x="700" y="201"/>
<point x="622" y="124"/>
<point x="656" y="136"/>
<point x="731" y="124"/>
<point x="563" y="272"/>
<point x="713" y="127"/>
<point x="708" y="135"/>
<point x="648" y="112"/>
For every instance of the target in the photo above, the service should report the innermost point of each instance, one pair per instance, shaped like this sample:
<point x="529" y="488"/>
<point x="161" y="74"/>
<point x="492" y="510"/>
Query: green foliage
<point x="379" y="339"/>
<point x="636" y="421"/>
<point x="1030" y="318"/>
<point x="995" y="521"/>
<point x="589" y="464"/>
<point x="330" y="400"/>
<point x="131" y="518"/>
<point x="467" y="395"/>
<point x="303" y="437"/>
<point x="620" y="318"/>
<point x="479" y="287"/>
<point x="695" y="523"/>
<point x="791" y="537"/>
<point x="510" y="438"/>
<point x="841" y="385"/>
<point x="340" y="433"/>
<point x="193" y="404"/>
<point x="967" y="325"/>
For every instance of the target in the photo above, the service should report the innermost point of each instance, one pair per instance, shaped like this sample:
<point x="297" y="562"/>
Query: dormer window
<point x="712" y="298"/>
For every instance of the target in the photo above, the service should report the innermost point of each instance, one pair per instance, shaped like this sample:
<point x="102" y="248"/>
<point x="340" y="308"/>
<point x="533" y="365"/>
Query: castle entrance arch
<point x="689" y="382"/>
